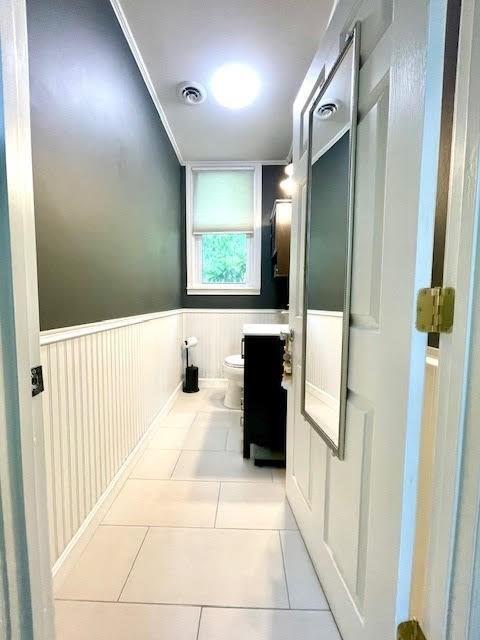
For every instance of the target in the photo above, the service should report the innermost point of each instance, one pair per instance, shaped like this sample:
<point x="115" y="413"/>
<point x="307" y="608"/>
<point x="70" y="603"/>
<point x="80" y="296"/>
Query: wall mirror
<point x="328" y="248"/>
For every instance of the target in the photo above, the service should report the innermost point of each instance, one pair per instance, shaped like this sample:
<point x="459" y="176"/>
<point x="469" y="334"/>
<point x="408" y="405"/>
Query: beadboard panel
<point x="103" y="388"/>
<point x="324" y="352"/>
<point x="219" y="334"/>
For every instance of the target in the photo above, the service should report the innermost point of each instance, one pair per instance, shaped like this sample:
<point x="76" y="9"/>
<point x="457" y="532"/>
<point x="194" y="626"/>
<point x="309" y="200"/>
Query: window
<point x="224" y="228"/>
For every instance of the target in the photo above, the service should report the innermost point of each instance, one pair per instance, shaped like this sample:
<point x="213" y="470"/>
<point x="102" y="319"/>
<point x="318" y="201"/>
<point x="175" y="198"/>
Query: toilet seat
<point x="236" y="362"/>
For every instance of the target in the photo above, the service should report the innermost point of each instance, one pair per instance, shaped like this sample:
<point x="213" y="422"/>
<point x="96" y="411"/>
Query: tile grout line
<point x="218" y="503"/>
<point x="133" y="564"/>
<point x="284" y="569"/>
<point x="193" y="605"/>
<point x="212" y="479"/>
<point x="227" y="433"/>
<point x="199" y="622"/>
<point x="178" y="526"/>
<point x="180" y="451"/>
<point x="194" y="450"/>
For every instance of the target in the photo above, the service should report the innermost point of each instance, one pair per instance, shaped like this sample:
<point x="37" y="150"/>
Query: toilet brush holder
<point x="190" y="384"/>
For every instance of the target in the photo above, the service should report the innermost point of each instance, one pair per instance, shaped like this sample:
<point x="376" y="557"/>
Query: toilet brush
<point x="190" y="384"/>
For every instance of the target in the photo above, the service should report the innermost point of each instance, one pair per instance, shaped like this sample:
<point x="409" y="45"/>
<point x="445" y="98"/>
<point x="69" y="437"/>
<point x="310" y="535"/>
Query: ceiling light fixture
<point x="287" y="185"/>
<point x="235" y="86"/>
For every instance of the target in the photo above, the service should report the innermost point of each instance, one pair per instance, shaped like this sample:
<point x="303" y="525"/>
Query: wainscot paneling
<point x="104" y="385"/>
<point x="219" y="333"/>
<point x="324" y="352"/>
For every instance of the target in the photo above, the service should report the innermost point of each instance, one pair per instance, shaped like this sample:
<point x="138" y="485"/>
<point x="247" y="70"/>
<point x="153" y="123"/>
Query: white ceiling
<point x="326" y="132"/>
<point x="189" y="39"/>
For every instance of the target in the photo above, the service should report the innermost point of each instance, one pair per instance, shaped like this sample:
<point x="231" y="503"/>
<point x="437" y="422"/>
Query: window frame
<point x="252" y="286"/>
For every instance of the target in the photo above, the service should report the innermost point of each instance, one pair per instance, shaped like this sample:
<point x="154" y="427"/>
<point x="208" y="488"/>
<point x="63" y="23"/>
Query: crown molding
<point x="232" y="163"/>
<point x="273" y="162"/>
<point x="289" y="157"/>
<point x="145" y="75"/>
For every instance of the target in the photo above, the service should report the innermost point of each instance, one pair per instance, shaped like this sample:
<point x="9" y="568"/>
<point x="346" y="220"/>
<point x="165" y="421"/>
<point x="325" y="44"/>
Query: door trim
<point x="24" y="425"/>
<point x="455" y="516"/>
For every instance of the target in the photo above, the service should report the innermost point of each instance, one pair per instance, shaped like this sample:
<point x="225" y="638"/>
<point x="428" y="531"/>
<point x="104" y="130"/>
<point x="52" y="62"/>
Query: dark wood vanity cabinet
<point x="281" y="221"/>
<point x="264" y="401"/>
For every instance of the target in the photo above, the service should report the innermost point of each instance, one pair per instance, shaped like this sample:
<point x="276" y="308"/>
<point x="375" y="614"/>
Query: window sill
<point x="227" y="291"/>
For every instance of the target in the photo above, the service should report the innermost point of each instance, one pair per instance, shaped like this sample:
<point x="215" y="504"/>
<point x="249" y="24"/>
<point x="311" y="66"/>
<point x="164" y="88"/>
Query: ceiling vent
<point x="191" y="93"/>
<point x="326" y="110"/>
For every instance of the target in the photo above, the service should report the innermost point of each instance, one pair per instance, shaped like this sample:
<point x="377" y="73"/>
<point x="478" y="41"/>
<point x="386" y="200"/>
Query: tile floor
<point x="198" y="545"/>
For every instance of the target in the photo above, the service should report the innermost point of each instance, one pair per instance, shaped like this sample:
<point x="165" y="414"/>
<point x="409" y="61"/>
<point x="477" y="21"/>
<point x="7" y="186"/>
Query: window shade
<point x="223" y="201"/>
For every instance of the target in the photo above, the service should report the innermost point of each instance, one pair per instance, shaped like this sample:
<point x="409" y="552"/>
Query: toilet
<point x="233" y="371"/>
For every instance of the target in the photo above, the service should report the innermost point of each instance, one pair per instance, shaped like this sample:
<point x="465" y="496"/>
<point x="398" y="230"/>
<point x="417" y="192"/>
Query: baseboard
<point x="77" y="544"/>
<point x="322" y="395"/>
<point x="212" y="383"/>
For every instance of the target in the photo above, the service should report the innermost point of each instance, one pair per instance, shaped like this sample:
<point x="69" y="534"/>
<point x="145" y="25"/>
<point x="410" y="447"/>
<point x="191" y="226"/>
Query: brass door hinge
<point x="410" y="630"/>
<point x="435" y="309"/>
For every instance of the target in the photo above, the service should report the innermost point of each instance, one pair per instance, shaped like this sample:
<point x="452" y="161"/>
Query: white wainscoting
<point x="219" y="333"/>
<point x="324" y="353"/>
<point x="104" y="385"/>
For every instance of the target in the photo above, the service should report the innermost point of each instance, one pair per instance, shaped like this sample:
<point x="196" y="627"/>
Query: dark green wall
<point x="274" y="291"/>
<point x="106" y="179"/>
<point x="328" y="229"/>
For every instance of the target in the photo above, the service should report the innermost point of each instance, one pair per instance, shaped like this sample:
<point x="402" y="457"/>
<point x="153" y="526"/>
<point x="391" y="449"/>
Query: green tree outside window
<point x="224" y="258"/>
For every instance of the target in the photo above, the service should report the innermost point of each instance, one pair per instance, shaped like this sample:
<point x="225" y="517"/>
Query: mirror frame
<point x="352" y="39"/>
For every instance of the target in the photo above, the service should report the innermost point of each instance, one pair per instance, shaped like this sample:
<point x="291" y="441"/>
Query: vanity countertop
<point x="264" y="329"/>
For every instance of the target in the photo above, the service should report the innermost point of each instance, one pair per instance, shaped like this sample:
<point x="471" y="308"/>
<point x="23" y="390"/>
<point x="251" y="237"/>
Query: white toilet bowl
<point x="233" y="371"/>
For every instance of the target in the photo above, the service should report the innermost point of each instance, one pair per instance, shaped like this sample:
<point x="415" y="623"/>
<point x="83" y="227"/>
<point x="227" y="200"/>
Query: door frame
<point x="28" y="604"/>
<point x="452" y="609"/>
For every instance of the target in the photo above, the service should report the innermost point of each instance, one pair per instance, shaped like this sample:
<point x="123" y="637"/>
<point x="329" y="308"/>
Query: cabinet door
<point x="281" y="223"/>
<point x="264" y="398"/>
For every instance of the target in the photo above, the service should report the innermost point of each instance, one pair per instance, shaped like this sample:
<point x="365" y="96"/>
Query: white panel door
<point x="357" y="515"/>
